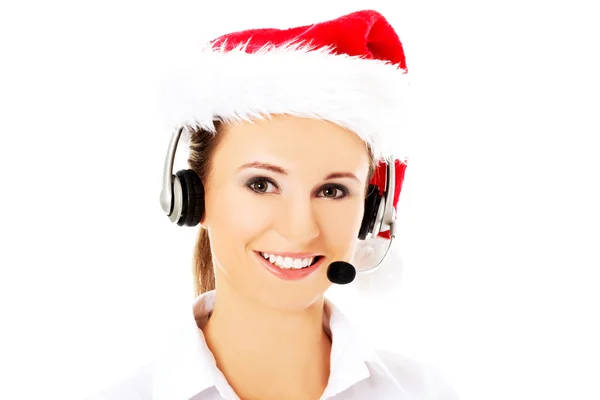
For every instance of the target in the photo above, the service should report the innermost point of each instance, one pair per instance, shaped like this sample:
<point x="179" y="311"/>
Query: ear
<point x="203" y="223"/>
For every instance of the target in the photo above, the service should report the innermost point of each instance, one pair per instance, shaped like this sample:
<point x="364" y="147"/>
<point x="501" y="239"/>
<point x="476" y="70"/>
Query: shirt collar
<point x="188" y="367"/>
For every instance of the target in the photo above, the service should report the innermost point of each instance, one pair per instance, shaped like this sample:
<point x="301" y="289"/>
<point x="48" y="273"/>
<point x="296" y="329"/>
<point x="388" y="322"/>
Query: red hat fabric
<point x="350" y="71"/>
<point x="365" y="34"/>
<point x="379" y="180"/>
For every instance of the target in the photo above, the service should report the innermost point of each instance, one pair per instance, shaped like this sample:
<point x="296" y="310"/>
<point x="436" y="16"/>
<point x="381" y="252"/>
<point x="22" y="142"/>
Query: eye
<point x="260" y="184"/>
<point x="330" y="191"/>
<point x="263" y="184"/>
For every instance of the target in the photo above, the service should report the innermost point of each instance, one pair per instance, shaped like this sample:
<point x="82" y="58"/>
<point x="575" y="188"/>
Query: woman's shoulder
<point x="417" y="378"/>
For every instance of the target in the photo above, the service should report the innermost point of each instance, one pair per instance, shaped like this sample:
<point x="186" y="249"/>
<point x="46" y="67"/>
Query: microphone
<point x="341" y="272"/>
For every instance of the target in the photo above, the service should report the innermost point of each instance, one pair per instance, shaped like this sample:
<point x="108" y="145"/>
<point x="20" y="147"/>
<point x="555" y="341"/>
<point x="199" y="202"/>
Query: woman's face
<point x="271" y="189"/>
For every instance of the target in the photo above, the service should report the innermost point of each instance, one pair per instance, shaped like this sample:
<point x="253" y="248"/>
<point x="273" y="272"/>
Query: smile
<point x="289" y="262"/>
<point x="289" y="268"/>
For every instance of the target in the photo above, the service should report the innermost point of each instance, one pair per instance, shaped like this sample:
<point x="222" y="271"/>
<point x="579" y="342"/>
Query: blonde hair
<point x="201" y="148"/>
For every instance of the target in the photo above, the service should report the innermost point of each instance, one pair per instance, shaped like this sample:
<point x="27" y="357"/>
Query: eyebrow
<point x="278" y="170"/>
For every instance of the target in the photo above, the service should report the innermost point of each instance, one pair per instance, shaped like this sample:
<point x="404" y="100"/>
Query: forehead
<point x="292" y="142"/>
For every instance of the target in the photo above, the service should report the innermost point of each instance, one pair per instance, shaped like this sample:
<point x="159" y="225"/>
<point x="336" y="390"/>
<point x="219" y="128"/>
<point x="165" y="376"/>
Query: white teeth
<point x="288" y="262"/>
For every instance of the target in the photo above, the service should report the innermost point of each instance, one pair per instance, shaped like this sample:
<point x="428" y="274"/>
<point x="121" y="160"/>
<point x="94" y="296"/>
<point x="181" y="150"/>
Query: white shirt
<point x="188" y="371"/>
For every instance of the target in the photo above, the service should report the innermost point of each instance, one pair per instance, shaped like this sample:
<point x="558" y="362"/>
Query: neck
<point x="268" y="353"/>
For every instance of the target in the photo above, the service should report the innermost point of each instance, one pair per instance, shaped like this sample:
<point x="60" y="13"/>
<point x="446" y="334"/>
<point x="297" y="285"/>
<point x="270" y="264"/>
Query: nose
<point x="298" y="222"/>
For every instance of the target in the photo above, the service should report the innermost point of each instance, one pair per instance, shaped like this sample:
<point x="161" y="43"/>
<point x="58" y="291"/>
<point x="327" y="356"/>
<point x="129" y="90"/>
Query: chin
<point x="253" y="280"/>
<point x="291" y="294"/>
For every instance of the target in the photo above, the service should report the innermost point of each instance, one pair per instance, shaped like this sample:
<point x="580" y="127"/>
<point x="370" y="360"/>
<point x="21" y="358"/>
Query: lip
<point x="292" y="255"/>
<point x="289" y="274"/>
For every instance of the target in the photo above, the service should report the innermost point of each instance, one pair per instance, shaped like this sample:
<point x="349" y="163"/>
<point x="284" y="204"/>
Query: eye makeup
<point x="257" y="183"/>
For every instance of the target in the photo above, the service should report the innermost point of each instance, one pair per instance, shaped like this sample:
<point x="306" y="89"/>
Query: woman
<point x="287" y="130"/>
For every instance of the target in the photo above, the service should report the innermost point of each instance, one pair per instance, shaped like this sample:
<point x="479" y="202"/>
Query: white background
<point x="499" y="220"/>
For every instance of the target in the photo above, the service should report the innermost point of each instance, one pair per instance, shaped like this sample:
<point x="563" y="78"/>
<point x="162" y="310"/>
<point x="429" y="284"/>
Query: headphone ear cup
<point x="370" y="214"/>
<point x="193" y="198"/>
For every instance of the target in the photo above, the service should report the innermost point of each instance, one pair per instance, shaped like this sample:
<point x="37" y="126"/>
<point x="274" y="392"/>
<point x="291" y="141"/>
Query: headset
<point x="182" y="199"/>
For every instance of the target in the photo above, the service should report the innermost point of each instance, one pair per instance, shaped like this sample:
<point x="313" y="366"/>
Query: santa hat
<point x="350" y="71"/>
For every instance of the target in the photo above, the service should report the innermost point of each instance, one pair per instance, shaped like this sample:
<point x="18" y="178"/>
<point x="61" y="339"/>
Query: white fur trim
<point x="364" y="96"/>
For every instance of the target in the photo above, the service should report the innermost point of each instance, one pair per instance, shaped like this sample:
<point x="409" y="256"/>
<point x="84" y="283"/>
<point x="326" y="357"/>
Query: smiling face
<point x="286" y="185"/>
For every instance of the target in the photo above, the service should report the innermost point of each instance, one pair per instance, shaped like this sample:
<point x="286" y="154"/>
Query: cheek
<point x="340" y="223"/>
<point x="247" y="214"/>
<point x="236" y="217"/>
